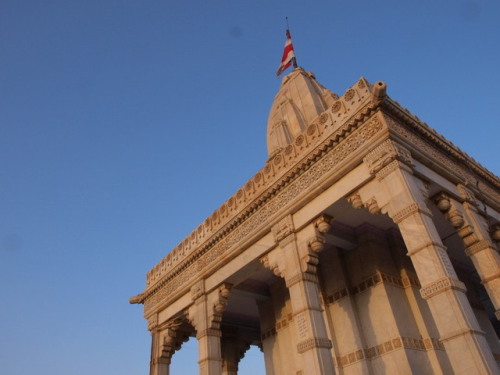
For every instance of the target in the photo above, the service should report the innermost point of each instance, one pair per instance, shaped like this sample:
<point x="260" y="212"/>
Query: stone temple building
<point x="367" y="244"/>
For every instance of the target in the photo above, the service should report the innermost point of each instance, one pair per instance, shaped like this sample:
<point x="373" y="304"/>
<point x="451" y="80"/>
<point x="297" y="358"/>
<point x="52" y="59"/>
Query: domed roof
<point x="299" y="101"/>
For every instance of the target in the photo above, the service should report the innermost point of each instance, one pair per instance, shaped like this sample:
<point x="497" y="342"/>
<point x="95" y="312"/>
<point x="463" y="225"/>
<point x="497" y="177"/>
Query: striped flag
<point x="288" y="55"/>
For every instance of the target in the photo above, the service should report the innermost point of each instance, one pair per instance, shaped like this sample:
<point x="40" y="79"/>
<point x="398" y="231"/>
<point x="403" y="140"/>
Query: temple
<point x="367" y="244"/>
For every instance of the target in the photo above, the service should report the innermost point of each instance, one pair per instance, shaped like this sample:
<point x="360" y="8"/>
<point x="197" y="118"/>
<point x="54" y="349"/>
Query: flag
<point x="288" y="55"/>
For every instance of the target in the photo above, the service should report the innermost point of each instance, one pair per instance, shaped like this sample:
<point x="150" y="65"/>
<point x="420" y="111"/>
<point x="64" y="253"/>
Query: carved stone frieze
<point x="308" y="344"/>
<point x="408" y="211"/>
<point x="477" y="247"/>
<point x="208" y="332"/>
<point x="396" y="343"/>
<point x="441" y="286"/>
<point x="467" y="194"/>
<point x="301" y="276"/>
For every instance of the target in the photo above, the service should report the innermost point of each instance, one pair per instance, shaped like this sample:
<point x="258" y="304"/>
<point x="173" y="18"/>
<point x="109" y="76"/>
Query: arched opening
<point x="185" y="360"/>
<point x="252" y="363"/>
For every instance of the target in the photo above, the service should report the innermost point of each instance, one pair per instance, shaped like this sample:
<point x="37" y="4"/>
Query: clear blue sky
<point x="125" y="123"/>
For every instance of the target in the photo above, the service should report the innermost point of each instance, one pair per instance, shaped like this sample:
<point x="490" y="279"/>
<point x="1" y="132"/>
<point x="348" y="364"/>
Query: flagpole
<point x="294" y="59"/>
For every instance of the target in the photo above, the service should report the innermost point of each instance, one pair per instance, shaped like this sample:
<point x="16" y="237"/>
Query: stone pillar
<point x="206" y="315"/>
<point x="342" y="316"/>
<point x="160" y="362"/>
<point x="300" y="263"/>
<point x="165" y="341"/>
<point x="402" y="196"/>
<point x="233" y="349"/>
<point x="473" y="229"/>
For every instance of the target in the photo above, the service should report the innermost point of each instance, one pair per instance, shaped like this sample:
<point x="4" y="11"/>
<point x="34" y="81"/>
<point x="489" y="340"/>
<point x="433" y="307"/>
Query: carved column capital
<point x="385" y="153"/>
<point x="284" y="230"/>
<point x="198" y="289"/>
<point x="152" y="322"/>
<point x="172" y="338"/>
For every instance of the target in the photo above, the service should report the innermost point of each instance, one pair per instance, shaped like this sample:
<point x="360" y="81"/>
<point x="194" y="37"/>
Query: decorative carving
<point x="477" y="247"/>
<point x="408" y="211"/>
<point x="355" y="200"/>
<point x="466" y="232"/>
<point x="220" y="305"/>
<point x="467" y="194"/>
<point x="455" y="218"/>
<point x="198" y="289"/>
<point x="317" y="243"/>
<point x="372" y="206"/>
<point x="310" y="262"/>
<point x="280" y="325"/>
<point x="306" y="345"/>
<point x="323" y="223"/>
<point x="152" y="322"/>
<point x="395" y="343"/>
<point x="301" y="276"/>
<point x="172" y="338"/>
<point x="349" y="95"/>
<point x="336" y="106"/>
<point x="272" y="267"/>
<point x="323" y="118"/>
<point x="442" y="201"/>
<point x="283" y="228"/>
<point x="441" y="286"/>
<point x="384" y="154"/>
<point x="389" y="168"/>
<point x="442" y="153"/>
